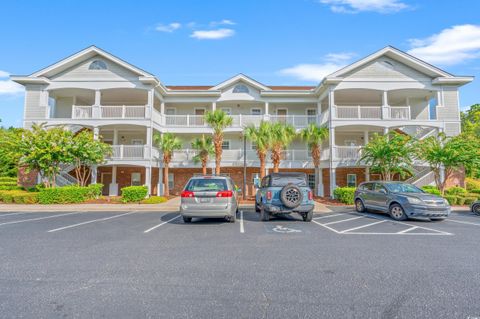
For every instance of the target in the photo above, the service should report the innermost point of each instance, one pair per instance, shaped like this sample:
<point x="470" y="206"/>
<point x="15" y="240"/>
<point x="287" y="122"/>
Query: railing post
<point x="123" y="111"/>
<point x="121" y="151"/>
<point x="359" y="114"/>
<point x="188" y="119"/>
<point x="240" y="120"/>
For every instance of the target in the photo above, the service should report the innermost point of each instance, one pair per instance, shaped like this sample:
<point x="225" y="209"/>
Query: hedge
<point x="5" y="179"/>
<point x="469" y="200"/>
<point x="134" y="193"/>
<point x="476" y="191"/>
<point x="154" y="200"/>
<point x="472" y="183"/>
<point x="455" y="191"/>
<point x="344" y="194"/>
<point x="10" y="188"/>
<point x="18" y="196"/>
<point x="69" y="194"/>
<point x="452" y="199"/>
<point x="431" y="189"/>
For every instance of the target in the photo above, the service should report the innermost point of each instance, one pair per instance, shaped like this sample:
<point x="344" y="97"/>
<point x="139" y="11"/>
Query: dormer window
<point x="97" y="65"/>
<point x="240" y="88"/>
<point x="388" y="64"/>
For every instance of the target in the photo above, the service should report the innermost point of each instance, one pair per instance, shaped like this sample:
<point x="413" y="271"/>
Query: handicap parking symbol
<point x="285" y="230"/>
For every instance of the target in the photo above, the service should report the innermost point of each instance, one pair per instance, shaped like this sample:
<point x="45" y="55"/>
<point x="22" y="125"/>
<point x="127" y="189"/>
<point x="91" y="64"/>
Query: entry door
<point x="106" y="180"/>
<point x="199" y="116"/>
<point x="282" y="115"/>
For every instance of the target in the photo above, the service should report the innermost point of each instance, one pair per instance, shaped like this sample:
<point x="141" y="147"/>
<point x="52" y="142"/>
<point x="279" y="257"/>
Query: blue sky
<point x="277" y="42"/>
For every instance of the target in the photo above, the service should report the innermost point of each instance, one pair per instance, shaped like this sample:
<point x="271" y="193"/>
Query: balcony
<point x="240" y="121"/>
<point x="347" y="152"/>
<point x="129" y="152"/>
<point x="372" y="112"/>
<point x="109" y="112"/>
<point x="186" y="155"/>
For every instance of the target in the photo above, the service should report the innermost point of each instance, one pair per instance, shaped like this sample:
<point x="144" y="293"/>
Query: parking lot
<point x="151" y="264"/>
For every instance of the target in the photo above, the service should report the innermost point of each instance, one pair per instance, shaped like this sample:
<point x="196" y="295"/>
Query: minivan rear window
<point x="207" y="185"/>
<point x="279" y="180"/>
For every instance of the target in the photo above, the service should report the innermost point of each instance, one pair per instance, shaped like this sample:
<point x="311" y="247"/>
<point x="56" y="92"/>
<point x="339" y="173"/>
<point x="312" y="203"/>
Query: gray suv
<point x="400" y="200"/>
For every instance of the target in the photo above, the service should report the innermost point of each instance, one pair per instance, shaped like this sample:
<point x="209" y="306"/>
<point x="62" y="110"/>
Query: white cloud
<point x="316" y="72"/>
<point x="451" y="46"/>
<point x="168" y="27"/>
<point x="355" y="6"/>
<point x="7" y="86"/>
<point x="212" y="34"/>
<point x="222" y="22"/>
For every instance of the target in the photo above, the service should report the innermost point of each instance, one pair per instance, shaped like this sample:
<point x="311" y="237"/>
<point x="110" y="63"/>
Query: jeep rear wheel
<point x="291" y="196"/>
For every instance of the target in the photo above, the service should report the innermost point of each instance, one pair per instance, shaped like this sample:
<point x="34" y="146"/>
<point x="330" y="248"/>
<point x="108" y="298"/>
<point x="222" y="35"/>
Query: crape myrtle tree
<point x="218" y="120"/>
<point x="448" y="154"/>
<point x="389" y="154"/>
<point x="9" y="154"/>
<point x="167" y="143"/>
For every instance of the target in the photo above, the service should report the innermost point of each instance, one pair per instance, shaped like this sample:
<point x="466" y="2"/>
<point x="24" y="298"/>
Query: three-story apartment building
<point x="125" y="106"/>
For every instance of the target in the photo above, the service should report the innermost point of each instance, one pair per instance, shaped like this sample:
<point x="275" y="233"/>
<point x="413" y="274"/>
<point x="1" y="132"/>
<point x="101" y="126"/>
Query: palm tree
<point x="167" y="143"/>
<point x="218" y="121"/>
<point x="281" y="135"/>
<point x="261" y="137"/>
<point x="314" y="135"/>
<point x="205" y="148"/>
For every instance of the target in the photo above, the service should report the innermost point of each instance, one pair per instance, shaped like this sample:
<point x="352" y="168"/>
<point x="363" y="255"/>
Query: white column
<point x="365" y="137"/>
<point x="160" y="181"/>
<point x="385" y="130"/>
<point x="319" y="180"/>
<point x="267" y="105"/>
<point x="149" y="142"/>
<point x="214" y="106"/>
<point x="367" y="174"/>
<point x="44" y="101"/>
<point x="148" y="179"/>
<point x="149" y="109"/>
<point x="115" y="136"/>
<point x="333" y="180"/>
<point x="385" y="114"/>
<point x="96" y="104"/>
<point x="113" y="187"/>
<point x="319" y="111"/>
<point x="331" y="103"/>
<point x="96" y="133"/>
<point x="162" y="108"/>
<point x="94" y="174"/>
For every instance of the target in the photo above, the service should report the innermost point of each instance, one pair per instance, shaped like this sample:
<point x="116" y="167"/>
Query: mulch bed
<point x="328" y="201"/>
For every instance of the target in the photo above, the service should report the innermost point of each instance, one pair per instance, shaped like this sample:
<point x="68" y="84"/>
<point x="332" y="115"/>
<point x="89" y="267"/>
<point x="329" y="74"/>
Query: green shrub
<point x="154" y="200"/>
<point x="431" y="189"/>
<point x="8" y="183"/>
<point x="134" y="193"/>
<point x="455" y="191"/>
<point x="460" y="200"/>
<point x="10" y="188"/>
<point x="26" y="198"/>
<point x="471" y="183"/>
<point x="5" y="179"/>
<point x="476" y="191"/>
<point x="344" y="194"/>
<point x="469" y="200"/>
<point x="69" y="194"/>
<point x="452" y="200"/>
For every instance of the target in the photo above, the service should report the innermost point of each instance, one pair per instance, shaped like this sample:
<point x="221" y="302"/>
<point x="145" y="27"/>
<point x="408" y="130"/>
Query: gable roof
<point x="83" y="55"/>
<point x="237" y="78"/>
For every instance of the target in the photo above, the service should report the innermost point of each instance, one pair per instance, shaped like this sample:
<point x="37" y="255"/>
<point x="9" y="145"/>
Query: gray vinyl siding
<point x="387" y="68"/>
<point x="449" y="110"/>
<point x="33" y="109"/>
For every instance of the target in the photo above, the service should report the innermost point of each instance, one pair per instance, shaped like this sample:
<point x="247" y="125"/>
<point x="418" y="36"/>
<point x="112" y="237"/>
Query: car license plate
<point x="204" y="200"/>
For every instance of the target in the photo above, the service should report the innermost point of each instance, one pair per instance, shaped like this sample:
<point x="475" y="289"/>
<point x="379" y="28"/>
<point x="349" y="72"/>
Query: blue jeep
<point x="284" y="193"/>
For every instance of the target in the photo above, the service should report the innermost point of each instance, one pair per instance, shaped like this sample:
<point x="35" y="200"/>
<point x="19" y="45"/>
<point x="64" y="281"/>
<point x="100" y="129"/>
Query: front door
<point x="282" y="115"/>
<point x="106" y="180"/>
<point x="199" y="113"/>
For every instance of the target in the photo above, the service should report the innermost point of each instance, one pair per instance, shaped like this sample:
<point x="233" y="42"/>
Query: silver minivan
<point x="209" y="197"/>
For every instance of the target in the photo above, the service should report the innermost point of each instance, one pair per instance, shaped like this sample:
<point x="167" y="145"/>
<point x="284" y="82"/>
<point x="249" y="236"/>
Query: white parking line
<point x="242" y="230"/>
<point x="11" y="214"/>
<point x="461" y="222"/>
<point x="329" y="216"/>
<point x="407" y="230"/>
<point x="363" y="226"/>
<point x="329" y="228"/>
<point x="156" y="226"/>
<point x="38" y="218"/>
<point x="89" y="222"/>
<point x="343" y="220"/>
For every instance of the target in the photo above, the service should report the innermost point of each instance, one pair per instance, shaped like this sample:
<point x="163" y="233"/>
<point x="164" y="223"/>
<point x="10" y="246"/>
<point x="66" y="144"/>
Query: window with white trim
<point x="241" y="88"/>
<point x="351" y="180"/>
<point x="170" y="111"/>
<point x="136" y="179"/>
<point x="311" y="116"/>
<point x="171" y="181"/>
<point x="256" y="111"/>
<point x="253" y="146"/>
<point x="226" y="145"/>
<point x="97" y="65"/>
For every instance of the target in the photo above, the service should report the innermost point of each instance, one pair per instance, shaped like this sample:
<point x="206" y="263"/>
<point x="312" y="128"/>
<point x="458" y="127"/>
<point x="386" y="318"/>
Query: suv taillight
<point x="310" y="195"/>
<point x="187" y="194"/>
<point x="269" y="195"/>
<point x="225" y="194"/>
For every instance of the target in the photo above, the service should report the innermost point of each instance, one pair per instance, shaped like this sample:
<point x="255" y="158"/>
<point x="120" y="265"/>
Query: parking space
<point x="154" y="264"/>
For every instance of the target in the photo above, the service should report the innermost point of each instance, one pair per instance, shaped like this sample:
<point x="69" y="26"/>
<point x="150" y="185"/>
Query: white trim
<point x="171" y="108"/>
<point x="133" y="140"/>
<point x="311" y="109"/>
<point x="238" y="78"/>
<point x="356" y="184"/>
<point x="229" y="144"/>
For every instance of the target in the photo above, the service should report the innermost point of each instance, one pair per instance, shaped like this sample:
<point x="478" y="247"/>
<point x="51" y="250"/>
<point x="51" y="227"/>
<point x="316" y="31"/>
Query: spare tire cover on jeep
<point x="291" y="196"/>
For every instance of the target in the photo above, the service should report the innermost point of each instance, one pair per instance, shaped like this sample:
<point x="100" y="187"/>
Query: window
<point x="136" y="179"/>
<point x="227" y="110"/>
<point x="432" y="108"/>
<point x="367" y="186"/>
<point x="253" y="146"/>
<point x="311" y="181"/>
<point x="137" y="141"/>
<point x="205" y="185"/>
<point x="171" y="183"/>
<point x="240" y="88"/>
<point x="350" y="142"/>
<point x="97" y="65"/>
<point x="256" y="111"/>
<point x="311" y="116"/>
<point x="170" y="111"/>
<point x="351" y="180"/>
<point x="226" y="145"/>
<point x="379" y="187"/>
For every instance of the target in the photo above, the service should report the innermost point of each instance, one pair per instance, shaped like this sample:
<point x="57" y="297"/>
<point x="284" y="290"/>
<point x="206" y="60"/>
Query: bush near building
<point x="134" y="193"/>
<point x="154" y="200"/>
<point x="472" y="184"/>
<point x="69" y="194"/>
<point x="431" y="189"/>
<point x="344" y="194"/>
<point x="18" y="197"/>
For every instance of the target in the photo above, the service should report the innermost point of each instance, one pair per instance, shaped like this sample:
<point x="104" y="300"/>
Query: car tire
<point x="257" y="209"/>
<point x="476" y="209"/>
<point x="264" y="215"/>
<point x="307" y="217"/>
<point x="291" y="196"/>
<point x="231" y="219"/>
<point x="437" y="219"/>
<point x="187" y="219"/>
<point x="359" y="207"/>
<point x="397" y="212"/>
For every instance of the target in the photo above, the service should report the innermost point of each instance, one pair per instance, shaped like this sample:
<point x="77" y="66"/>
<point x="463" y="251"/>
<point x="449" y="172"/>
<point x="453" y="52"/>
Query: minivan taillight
<point x="187" y="194"/>
<point x="310" y="195"/>
<point x="269" y="195"/>
<point x="225" y="194"/>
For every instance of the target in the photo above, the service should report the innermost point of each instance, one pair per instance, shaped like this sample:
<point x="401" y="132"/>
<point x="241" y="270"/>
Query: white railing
<point x="358" y="112"/>
<point x="128" y="152"/>
<point x="295" y="120"/>
<point x="185" y="120"/>
<point x="186" y="155"/>
<point x="347" y="152"/>
<point x="122" y="111"/>
<point x="296" y="155"/>
<point x="81" y="112"/>
<point x="399" y="112"/>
